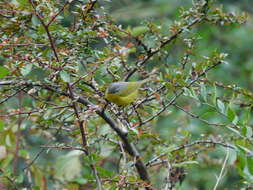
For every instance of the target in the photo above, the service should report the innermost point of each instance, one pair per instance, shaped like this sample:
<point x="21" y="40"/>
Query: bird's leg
<point x="105" y="106"/>
<point x="137" y="114"/>
<point x="122" y="115"/>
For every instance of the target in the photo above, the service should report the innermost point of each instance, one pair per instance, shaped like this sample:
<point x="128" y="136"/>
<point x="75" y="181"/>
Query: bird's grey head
<point x="116" y="87"/>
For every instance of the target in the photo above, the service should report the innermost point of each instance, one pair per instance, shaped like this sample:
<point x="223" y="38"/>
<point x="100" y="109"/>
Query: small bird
<point x="123" y="93"/>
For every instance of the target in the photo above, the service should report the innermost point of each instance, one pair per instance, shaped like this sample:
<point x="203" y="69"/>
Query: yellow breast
<point x="122" y="100"/>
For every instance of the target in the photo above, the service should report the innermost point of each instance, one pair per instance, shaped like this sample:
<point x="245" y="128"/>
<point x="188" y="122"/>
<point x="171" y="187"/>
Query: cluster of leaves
<point x="58" y="131"/>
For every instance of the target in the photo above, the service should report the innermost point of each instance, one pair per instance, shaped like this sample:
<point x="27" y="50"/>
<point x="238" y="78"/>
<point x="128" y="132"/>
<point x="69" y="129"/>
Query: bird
<point x="123" y="93"/>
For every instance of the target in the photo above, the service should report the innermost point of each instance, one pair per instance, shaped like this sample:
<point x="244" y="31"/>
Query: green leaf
<point x="65" y="76"/>
<point x="37" y="74"/>
<point x="203" y="92"/>
<point x="3" y="71"/>
<point x="250" y="164"/>
<point x="186" y="163"/>
<point x="23" y="2"/>
<point x="105" y="173"/>
<point x="244" y="149"/>
<point x="139" y="30"/>
<point x="68" y="166"/>
<point x="246" y="116"/>
<point x="26" y="69"/>
<point x="20" y="178"/>
<point x="1" y="125"/>
<point x="36" y="188"/>
<point x="35" y="20"/>
<point x="80" y="180"/>
<point x="191" y="93"/>
<point x="247" y="132"/>
<point x="81" y="68"/>
<point x="221" y="106"/>
<point x="23" y="153"/>
<point x="214" y="94"/>
<point x="232" y="116"/>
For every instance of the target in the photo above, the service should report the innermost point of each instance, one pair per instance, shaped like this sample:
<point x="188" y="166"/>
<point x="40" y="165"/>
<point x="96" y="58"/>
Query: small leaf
<point x="247" y="132"/>
<point x="185" y="163"/>
<point x="105" y="173"/>
<point x="203" y="92"/>
<point x="8" y="140"/>
<point x="246" y="116"/>
<point x="35" y="20"/>
<point x="139" y="30"/>
<point x="26" y="69"/>
<point x="65" y="76"/>
<point x="1" y="125"/>
<point x="250" y="164"/>
<point x="244" y="149"/>
<point x="80" y="180"/>
<point x="221" y="106"/>
<point x="3" y="71"/>
<point x="214" y="94"/>
<point x="232" y="116"/>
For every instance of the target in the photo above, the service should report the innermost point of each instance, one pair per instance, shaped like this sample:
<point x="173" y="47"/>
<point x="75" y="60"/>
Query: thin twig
<point x="172" y="101"/>
<point x="222" y="170"/>
<point x="46" y="27"/>
<point x="187" y="146"/>
<point x="90" y="6"/>
<point x="11" y="95"/>
<point x="21" y="45"/>
<point x="63" y="147"/>
<point x="164" y="43"/>
<point x="198" y="117"/>
<point x="56" y="14"/>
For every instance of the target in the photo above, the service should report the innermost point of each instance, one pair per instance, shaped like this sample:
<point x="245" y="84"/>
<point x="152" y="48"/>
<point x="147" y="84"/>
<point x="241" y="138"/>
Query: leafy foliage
<point x="190" y="128"/>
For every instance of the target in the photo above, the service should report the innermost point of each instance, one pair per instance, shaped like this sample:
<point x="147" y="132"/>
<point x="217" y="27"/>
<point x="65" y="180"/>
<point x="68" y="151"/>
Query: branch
<point x="90" y="7"/>
<point x="46" y="27"/>
<point x="164" y="43"/>
<point x="129" y="146"/>
<point x="63" y="147"/>
<point x="84" y="138"/>
<point x="198" y="117"/>
<point x="149" y="163"/>
<point x="172" y="101"/>
<point x="11" y="95"/>
<point x="56" y="14"/>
